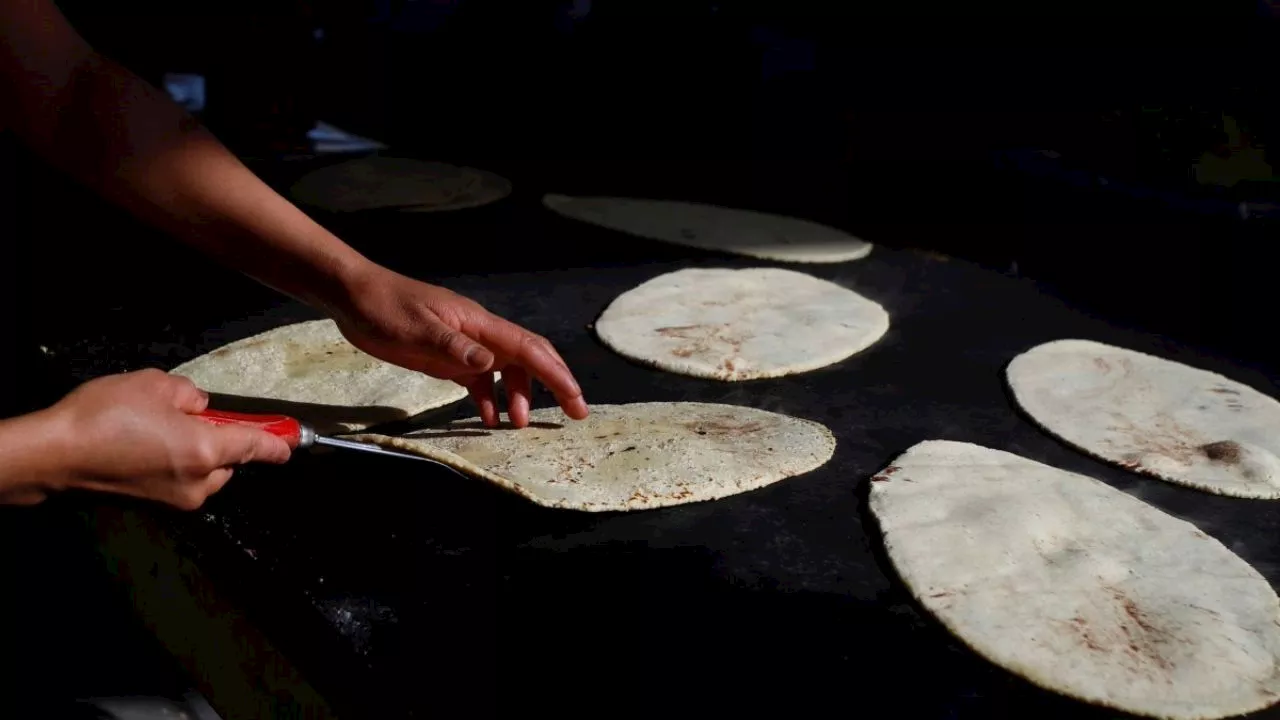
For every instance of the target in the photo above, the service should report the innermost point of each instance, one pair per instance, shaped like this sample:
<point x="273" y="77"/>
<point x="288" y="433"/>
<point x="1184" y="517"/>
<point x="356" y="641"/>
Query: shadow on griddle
<point x="324" y="418"/>
<point x="978" y="687"/>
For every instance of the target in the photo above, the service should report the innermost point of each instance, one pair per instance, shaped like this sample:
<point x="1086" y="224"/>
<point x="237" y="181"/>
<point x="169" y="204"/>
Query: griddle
<point x="405" y="592"/>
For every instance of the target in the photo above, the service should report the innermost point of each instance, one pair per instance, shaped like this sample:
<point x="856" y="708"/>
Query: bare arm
<point x="127" y="140"/>
<point x="32" y="458"/>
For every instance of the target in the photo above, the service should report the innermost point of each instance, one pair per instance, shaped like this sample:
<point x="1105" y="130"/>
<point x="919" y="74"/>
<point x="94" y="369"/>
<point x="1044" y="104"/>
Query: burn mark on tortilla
<point x="879" y="478"/>
<point x="1146" y="638"/>
<point x="1085" y="633"/>
<point x="1226" y="451"/>
<point x="1224" y="391"/>
<point x="891" y="469"/>
<point x="1161" y="438"/>
<point x="704" y="340"/>
<point x="725" y="427"/>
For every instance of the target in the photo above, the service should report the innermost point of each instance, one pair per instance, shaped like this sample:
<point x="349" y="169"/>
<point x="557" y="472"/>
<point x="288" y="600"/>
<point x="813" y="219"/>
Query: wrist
<point x="37" y="453"/>
<point x="345" y="286"/>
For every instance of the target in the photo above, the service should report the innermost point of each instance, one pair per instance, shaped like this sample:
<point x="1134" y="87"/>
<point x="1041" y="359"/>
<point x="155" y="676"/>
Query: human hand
<point x="135" y="434"/>
<point x="438" y="332"/>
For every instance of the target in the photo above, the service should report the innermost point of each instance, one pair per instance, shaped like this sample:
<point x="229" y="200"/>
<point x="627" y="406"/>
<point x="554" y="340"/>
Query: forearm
<point x="129" y="141"/>
<point x="32" y="457"/>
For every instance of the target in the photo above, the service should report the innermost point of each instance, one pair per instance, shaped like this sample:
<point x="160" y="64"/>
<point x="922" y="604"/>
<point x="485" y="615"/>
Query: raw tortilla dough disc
<point x="310" y="371"/>
<point x="709" y="227"/>
<point x="1155" y="416"/>
<point x="377" y="182"/>
<point x="740" y="324"/>
<point x="1078" y="587"/>
<point x="629" y="457"/>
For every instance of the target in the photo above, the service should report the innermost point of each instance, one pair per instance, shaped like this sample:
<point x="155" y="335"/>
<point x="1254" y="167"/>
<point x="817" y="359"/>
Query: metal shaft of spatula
<point x="300" y="435"/>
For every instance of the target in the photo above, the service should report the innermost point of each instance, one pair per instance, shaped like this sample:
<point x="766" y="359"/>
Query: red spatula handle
<point x="281" y="426"/>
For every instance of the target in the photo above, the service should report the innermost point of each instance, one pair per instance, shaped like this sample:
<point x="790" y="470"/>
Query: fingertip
<point x="280" y="452"/>
<point x="576" y="408"/>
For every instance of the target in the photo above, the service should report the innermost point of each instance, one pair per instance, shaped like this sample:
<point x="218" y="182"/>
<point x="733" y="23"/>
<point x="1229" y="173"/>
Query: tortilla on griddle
<point x="740" y="324"/>
<point x="709" y="227"/>
<point x="378" y="182"/>
<point x="1078" y="587"/>
<point x="1158" y="417"/>
<point x="628" y="457"/>
<point x="310" y="371"/>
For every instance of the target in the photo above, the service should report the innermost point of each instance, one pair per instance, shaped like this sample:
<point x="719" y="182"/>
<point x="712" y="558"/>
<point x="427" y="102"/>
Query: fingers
<point x="519" y="394"/>
<point x="481" y="390"/>
<point x="537" y="357"/>
<point x="468" y="353"/>
<point x="239" y="445"/>
<point x="181" y="391"/>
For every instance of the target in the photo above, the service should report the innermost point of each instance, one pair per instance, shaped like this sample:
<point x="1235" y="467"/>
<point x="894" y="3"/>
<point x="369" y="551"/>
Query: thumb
<point x="462" y="349"/>
<point x="239" y="445"/>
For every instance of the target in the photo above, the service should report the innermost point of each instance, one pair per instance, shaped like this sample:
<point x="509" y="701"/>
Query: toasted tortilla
<point x="709" y="227"/>
<point x="1154" y="416"/>
<point x="628" y="457"/>
<point x="378" y="182"/>
<point x="1078" y="587"/>
<point x="310" y="371"/>
<point x="740" y="324"/>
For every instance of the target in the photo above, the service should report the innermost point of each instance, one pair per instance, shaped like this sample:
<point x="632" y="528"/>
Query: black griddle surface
<point x="401" y="590"/>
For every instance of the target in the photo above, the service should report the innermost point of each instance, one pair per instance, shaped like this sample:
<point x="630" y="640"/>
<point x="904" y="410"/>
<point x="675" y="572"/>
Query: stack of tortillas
<point x="708" y="227"/>
<point x="377" y="182"/>
<point x="740" y="324"/>
<point x="1078" y="587"/>
<point x="310" y="371"/>
<point x="629" y="457"/>
<point x="1155" y="416"/>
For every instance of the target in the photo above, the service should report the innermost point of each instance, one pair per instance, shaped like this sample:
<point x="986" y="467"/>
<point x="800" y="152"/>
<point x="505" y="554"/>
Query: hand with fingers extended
<point x="434" y="330"/>
<point x="134" y="434"/>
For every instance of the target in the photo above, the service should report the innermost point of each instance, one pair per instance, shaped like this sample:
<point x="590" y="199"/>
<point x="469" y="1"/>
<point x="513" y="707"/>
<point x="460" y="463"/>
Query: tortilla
<point x="709" y="227"/>
<point x="377" y="182"/>
<point x="310" y="371"/>
<point x="1154" y="416"/>
<point x="1078" y="587"/>
<point x="740" y="324"/>
<point x="483" y="188"/>
<point x="628" y="457"/>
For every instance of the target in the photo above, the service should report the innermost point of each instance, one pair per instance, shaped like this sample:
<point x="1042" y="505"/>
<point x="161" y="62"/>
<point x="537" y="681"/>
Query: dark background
<point x="911" y="124"/>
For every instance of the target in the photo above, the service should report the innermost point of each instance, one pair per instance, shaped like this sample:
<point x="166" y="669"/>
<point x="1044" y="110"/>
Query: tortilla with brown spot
<point x="629" y="457"/>
<point x="1078" y="587"/>
<point x="740" y="324"/>
<point x="1154" y="416"/>
<point x="310" y="371"/>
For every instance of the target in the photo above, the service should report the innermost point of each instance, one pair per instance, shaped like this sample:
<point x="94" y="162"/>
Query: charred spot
<point x="1225" y="391"/>
<point x="628" y="449"/>
<point x="1226" y="451"/>
<point x="879" y="478"/>
<point x="944" y="593"/>
<point x="891" y="469"/>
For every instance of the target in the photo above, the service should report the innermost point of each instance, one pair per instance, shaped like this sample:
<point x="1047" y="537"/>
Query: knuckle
<point x="201" y="459"/>
<point x="533" y="341"/>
